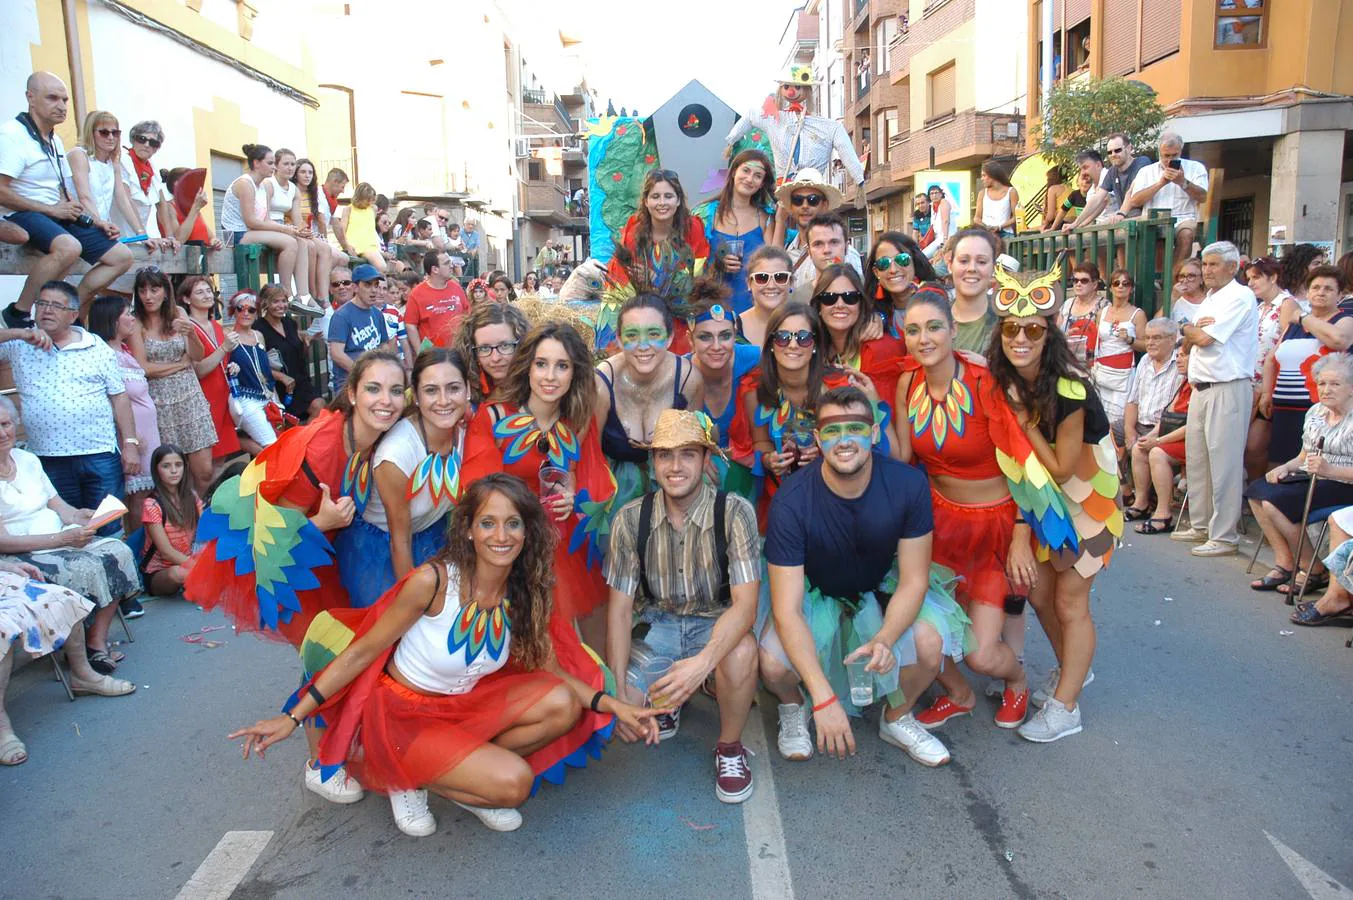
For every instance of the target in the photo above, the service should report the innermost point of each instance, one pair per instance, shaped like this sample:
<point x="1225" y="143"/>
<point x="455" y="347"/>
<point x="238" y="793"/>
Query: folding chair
<point x="61" y="674"/>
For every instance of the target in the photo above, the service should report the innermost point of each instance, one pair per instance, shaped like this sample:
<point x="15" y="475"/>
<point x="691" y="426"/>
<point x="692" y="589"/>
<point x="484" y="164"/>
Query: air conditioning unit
<point x="522" y="147"/>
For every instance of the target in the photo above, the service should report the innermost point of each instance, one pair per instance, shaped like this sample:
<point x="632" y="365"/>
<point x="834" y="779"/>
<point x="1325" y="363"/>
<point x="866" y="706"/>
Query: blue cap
<point x="366" y="272"/>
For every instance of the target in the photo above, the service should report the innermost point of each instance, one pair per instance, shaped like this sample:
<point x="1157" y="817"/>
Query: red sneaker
<point x="1012" y="711"/>
<point x="732" y="776"/>
<point x="941" y="711"/>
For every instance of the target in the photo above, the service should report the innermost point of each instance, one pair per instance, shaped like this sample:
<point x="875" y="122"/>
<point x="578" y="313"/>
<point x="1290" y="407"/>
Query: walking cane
<point x="1301" y="536"/>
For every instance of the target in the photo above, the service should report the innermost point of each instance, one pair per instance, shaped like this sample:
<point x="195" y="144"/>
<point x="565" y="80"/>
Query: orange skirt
<point x="973" y="539"/>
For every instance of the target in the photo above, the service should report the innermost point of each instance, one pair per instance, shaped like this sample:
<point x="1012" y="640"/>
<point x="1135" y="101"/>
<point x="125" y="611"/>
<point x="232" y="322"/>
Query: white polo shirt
<point x="35" y="174"/>
<point x="1235" y="336"/>
<point x="1172" y="196"/>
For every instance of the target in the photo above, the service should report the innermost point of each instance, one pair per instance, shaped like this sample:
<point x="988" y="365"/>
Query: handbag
<point x="1171" y="420"/>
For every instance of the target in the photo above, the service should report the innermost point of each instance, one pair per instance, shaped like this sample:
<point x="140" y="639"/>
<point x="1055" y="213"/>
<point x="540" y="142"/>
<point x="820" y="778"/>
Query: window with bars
<point x="941" y="87"/>
<point x="1240" y="24"/>
<point x="1236" y="223"/>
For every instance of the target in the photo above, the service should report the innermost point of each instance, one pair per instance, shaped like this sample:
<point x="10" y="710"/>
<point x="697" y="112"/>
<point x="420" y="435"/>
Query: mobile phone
<point x="1175" y="164"/>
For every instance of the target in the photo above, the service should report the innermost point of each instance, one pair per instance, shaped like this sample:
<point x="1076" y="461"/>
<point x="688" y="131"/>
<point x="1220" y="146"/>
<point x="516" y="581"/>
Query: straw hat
<point x="800" y="75"/>
<point x="679" y="428"/>
<point x="810" y="178"/>
<point x="539" y="311"/>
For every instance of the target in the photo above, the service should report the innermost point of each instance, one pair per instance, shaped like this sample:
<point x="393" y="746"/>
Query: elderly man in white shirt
<point x="1225" y="342"/>
<point x="1176" y="184"/>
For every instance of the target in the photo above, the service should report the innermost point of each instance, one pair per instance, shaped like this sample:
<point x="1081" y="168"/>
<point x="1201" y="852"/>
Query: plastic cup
<point x="1079" y="344"/>
<point x="554" y="482"/>
<point x="653" y="670"/>
<point x="734" y="247"/>
<point x="861" y="683"/>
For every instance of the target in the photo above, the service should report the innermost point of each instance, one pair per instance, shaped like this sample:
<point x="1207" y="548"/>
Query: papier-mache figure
<point x="796" y="140"/>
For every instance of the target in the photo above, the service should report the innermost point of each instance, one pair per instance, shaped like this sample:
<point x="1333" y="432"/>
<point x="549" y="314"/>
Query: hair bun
<point x="249" y="150"/>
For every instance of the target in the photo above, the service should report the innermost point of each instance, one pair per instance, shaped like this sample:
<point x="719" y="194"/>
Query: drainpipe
<point x="74" y="61"/>
<point x="1046" y="10"/>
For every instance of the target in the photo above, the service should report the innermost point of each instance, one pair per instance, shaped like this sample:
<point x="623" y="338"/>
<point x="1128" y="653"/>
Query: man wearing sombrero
<point x="802" y="201"/>
<point x="797" y="140"/>
<point x="687" y="558"/>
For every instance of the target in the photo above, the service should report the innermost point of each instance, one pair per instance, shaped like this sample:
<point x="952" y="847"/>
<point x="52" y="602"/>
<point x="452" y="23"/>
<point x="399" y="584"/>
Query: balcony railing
<point x="534" y="96"/>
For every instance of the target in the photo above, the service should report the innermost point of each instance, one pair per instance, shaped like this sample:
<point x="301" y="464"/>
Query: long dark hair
<point x="342" y="403"/>
<point x="179" y="504"/>
<point x="1292" y="278"/>
<point x="762" y="200"/>
<point x="579" y="399"/>
<point x="103" y="316"/>
<point x="919" y="264"/>
<point x="643" y="234"/>
<point x="311" y="192"/>
<point x="481" y="316"/>
<point x="1057" y="362"/>
<point x="530" y="581"/>
<point x="147" y="278"/>
<point x="855" y="337"/>
<point x="768" y="385"/>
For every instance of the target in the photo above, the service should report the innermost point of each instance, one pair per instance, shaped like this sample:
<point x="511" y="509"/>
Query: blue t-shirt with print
<point x="358" y="330"/>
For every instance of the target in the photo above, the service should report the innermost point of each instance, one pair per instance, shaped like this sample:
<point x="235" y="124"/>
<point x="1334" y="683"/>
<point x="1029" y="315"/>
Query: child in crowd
<point x="170" y="517"/>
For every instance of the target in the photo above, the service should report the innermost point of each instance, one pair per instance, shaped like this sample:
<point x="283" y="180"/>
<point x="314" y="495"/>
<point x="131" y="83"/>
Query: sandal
<point x="1307" y="614"/>
<point x="116" y="656"/>
<point x="100" y="661"/>
<point x="1276" y="576"/>
<point x="1133" y="514"/>
<point x="12" y="750"/>
<point x="1312" y="583"/>
<point x="1154" y="526"/>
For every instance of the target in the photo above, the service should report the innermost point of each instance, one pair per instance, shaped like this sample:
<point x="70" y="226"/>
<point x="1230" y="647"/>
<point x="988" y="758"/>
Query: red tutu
<point x="973" y="539"/>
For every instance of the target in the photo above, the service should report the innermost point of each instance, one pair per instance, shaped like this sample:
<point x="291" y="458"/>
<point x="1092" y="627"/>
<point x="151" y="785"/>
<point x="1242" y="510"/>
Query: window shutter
<point x="942" y="91"/>
<point x="1160" y="29"/>
<point x="1077" y="11"/>
<point x="1120" y="36"/>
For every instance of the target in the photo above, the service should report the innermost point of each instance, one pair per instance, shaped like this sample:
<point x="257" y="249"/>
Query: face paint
<point x="840" y="428"/>
<point x="636" y="338"/>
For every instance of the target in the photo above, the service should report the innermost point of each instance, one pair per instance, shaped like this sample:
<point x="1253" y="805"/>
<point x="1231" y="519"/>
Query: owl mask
<point x="1027" y="294"/>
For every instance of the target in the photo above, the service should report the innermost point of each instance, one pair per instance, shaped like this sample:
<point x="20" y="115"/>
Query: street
<point x="1213" y="764"/>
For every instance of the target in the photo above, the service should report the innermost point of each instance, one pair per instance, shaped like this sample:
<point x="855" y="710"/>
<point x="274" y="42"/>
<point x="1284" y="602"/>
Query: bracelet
<point x="819" y="707"/>
<point x="596" y="700"/>
<point x="294" y="719"/>
<point x="314" y="692"/>
<point x="132" y="440"/>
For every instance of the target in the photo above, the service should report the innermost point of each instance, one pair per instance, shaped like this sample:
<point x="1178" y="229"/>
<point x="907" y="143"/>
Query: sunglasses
<point x="803" y="338"/>
<point x="831" y="298"/>
<point x="108" y="132"/>
<point x="1034" y="331"/>
<point x="345" y="283"/>
<point x="764" y="278"/>
<point x="152" y="143"/>
<point x="807" y="199"/>
<point x="245" y="308"/>
<point x="1121" y="283"/>
<point x="1081" y="280"/>
<point x="502" y="348"/>
<point x="884" y="263"/>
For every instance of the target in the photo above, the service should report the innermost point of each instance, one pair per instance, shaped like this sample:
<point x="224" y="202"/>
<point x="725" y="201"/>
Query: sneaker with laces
<point x="794" y="742"/>
<point x="306" y="306"/>
<point x="907" y="733"/>
<point x="16" y="318"/>
<point x="132" y="608"/>
<point x="493" y="819"/>
<point x="1049" y="686"/>
<point x="1189" y="535"/>
<point x="941" y="711"/>
<point x="732" y="775"/>
<point x="338" y="789"/>
<point x="1013" y="709"/>
<point x="411" y="812"/>
<point x="1215" y="548"/>
<point x="1052" y="723"/>
<point x="668" y="724"/>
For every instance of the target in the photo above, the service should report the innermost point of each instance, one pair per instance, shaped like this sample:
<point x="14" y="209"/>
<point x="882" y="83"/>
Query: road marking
<point x="225" y="867"/>
<point x="1319" y="885"/>
<point x="768" y="861"/>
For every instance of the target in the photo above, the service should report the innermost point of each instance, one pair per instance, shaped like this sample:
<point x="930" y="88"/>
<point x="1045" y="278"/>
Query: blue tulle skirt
<point x="364" y="563"/>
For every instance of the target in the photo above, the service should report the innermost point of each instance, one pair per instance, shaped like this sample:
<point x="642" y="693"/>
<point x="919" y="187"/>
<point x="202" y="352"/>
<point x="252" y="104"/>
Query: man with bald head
<point x="35" y="196"/>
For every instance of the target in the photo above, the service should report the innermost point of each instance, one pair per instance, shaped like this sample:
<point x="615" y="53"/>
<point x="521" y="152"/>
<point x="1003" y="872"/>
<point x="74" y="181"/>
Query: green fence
<point x="1135" y="243"/>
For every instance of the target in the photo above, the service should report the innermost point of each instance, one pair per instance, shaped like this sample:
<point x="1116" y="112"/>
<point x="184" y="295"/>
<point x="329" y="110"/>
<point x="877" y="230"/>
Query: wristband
<point x="314" y="692"/>
<point x="596" y="699"/>
<point x="293" y="719"/>
<point x="819" y="707"/>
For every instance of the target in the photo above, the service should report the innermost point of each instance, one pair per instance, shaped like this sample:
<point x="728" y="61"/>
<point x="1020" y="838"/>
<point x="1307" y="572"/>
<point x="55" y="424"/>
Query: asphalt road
<point x="1207" y="731"/>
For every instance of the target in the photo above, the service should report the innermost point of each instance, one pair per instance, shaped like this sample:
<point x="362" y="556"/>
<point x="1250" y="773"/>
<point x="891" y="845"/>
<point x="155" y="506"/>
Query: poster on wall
<point x="957" y="187"/>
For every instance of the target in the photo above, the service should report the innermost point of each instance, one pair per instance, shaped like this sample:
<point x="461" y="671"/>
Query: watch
<point x="132" y="440"/>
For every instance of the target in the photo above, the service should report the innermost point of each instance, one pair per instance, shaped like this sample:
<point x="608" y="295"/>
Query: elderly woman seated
<point x="38" y="527"/>
<point x="1278" y="498"/>
<point x="42" y="618"/>
<point x="1154" y="384"/>
<point x="1157" y="450"/>
<point x="1336" y="606"/>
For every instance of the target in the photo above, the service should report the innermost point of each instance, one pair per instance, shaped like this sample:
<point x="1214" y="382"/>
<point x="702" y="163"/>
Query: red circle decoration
<point x="650" y="159"/>
<point x="756" y="136"/>
<point x="620" y="132"/>
<point x="617" y="176"/>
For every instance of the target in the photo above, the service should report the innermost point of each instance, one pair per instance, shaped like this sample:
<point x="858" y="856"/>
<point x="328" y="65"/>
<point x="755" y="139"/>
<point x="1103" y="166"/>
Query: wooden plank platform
<point x="187" y="261"/>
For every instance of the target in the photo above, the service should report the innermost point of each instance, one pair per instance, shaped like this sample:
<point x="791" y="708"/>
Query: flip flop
<point x="1154" y="526"/>
<point x="1307" y="614"/>
<point x="1271" y="581"/>
<point x="12" y="750"/>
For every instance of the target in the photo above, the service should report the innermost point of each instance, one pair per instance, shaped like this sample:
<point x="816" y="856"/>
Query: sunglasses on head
<point x="884" y="263"/>
<point x="806" y="199"/>
<point x="152" y="143"/>
<point x="1034" y="331"/>
<point x="831" y="298"/>
<point x="804" y="338"/>
<point x="764" y="278"/>
<point x="108" y="132"/>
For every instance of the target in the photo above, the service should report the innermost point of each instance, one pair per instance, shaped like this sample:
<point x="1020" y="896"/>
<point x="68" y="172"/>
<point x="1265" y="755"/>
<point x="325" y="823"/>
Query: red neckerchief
<point x="333" y="201"/>
<point x="145" y="172"/>
<point x="794" y="108"/>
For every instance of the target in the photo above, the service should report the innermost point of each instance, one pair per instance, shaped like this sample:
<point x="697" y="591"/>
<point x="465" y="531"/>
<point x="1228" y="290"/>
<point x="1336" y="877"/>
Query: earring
<point x="878" y="292"/>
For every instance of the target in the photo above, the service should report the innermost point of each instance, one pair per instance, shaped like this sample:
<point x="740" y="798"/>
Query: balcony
<point x="961" y="139"/>
<point x="549" y="113"/>
<point x="545" y="202"/>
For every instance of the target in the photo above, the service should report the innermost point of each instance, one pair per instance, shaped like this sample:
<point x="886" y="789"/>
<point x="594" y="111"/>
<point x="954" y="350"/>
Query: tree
<point x="1082" y="114"/>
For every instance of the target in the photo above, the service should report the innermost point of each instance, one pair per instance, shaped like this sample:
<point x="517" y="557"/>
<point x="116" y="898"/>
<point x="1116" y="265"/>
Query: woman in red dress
<point x="267" y="559"/>
<point x="538" y="421"/>
<point x="209" y="353"/>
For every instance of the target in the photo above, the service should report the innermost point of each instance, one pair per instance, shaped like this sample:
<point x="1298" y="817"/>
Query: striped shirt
<point x="681" y="565"/>
<point x="1151" y="390"/>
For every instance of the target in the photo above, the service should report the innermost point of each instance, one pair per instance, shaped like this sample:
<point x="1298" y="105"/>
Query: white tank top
<point x="282" y="198"/>
<point x="995" y="213"/>
<point x="231" y="218"/>
<point x="448" y="653"/>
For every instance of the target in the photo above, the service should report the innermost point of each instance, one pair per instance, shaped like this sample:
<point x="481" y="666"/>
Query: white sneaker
<point x="1189" y="535"/>
<point x="1052" y="723"/>
<point x="411" y="812"/>
<point x="920" y="744"/>
<point x="794" y="742"/>
<point x="1215" y="548"/>
<point x="338" y="789"/>
<point x="668" y="724"/>
<point x="1049" y="686"/>
<point x="494" y="819"/>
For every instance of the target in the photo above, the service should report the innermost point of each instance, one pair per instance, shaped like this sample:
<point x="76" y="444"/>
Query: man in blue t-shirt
<point x="357" y="326"/>
<point x="836" y="530"/>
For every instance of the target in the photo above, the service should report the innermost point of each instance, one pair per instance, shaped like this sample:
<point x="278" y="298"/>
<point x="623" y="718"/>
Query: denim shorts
<point x="678" y="637"/>
<point x="43" y="229"/>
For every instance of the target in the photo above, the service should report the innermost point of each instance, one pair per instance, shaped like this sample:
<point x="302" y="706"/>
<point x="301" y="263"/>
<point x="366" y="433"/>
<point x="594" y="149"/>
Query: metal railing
<point x="1135" y="243"/>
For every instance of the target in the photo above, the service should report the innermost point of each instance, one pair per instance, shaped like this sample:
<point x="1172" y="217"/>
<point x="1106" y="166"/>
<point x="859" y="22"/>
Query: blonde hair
<point x="364" y="196"/>
<point x="92" y="121"/>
